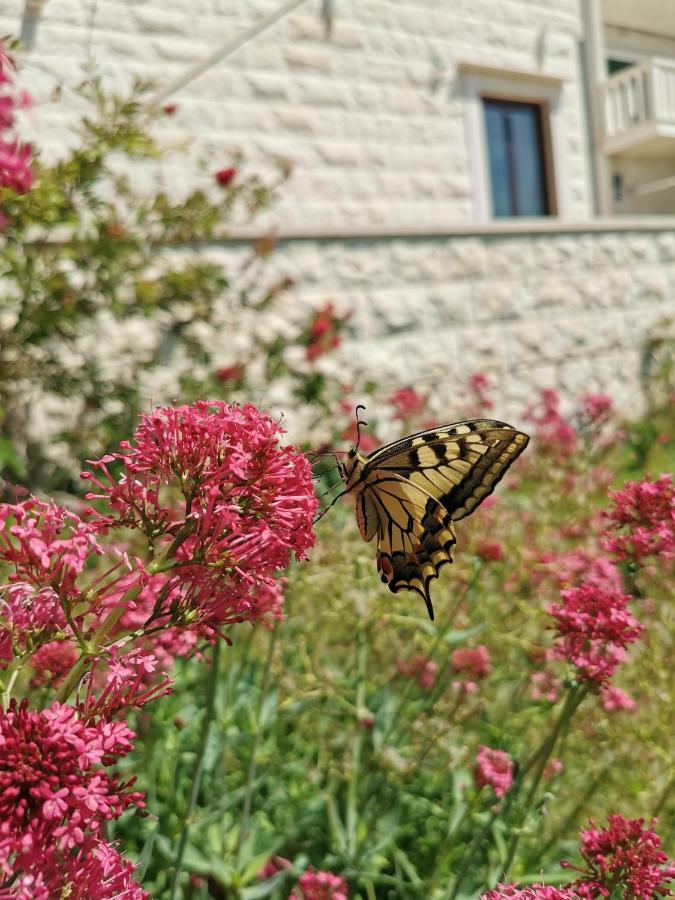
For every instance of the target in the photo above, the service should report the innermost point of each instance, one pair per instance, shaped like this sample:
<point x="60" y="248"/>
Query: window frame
<point x="477" y="82"/>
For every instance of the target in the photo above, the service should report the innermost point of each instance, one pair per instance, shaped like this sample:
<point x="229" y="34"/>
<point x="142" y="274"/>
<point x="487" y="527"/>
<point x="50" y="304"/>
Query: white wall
<point x="372" y="118"/>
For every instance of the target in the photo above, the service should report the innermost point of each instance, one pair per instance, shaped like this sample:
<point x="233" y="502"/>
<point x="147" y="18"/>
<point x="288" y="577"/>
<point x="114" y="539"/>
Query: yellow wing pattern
<point x="411" y="491"/>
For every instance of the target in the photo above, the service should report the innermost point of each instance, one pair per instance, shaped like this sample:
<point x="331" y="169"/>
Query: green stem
<point x="199" y="766"/>
<point x="253" y="762"/>
<point x="541" y="757"/>
<point x="475" y="847"/>
<point x="89" y="651"/>
<point x="352" y="790"/>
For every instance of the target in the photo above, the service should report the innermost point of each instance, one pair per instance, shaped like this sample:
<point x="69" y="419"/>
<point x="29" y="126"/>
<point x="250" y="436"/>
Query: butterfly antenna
<point x="359" y="423"/>
<point x="332" y="504"/>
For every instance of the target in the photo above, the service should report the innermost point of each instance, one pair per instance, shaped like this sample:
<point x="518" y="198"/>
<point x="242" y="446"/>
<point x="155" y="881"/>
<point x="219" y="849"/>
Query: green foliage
<point x="111" y="302"/>
<point x="322" y="751"/>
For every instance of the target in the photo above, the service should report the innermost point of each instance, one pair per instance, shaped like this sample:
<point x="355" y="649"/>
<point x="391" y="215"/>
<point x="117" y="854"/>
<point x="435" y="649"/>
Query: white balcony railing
<point x="640" y="104"/>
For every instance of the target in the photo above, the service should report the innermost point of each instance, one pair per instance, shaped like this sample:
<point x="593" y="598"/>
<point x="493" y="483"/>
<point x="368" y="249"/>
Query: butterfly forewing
<point x="460" y="465"/>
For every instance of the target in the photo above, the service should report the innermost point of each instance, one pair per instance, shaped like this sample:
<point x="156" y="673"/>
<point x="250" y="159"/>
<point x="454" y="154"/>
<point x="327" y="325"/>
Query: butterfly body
<point x="409" y="494"/>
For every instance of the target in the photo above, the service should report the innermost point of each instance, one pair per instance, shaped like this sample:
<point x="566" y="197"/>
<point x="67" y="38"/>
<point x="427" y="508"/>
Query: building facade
<point x="486" y="184"/>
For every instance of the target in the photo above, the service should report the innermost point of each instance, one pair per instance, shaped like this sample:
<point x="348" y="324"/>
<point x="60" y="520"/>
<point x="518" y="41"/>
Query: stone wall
<point x="372" y="118"/>
<point x="572" y="310"/>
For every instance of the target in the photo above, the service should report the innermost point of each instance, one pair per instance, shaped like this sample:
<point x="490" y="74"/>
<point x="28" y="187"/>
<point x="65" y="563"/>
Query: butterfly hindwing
<point x="415" y="537"/>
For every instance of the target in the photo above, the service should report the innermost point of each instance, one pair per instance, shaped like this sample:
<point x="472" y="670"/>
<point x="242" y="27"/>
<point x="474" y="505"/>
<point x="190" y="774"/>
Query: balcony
<point x="639" y="104"/>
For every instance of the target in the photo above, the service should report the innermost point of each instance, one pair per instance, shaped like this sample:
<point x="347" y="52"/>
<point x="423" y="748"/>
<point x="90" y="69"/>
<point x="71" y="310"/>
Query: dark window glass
<point x="517" y="163"/>
<point x="616" y="65"/>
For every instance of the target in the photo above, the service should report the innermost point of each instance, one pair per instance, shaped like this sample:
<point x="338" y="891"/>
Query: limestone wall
<point x="372" y="118"/>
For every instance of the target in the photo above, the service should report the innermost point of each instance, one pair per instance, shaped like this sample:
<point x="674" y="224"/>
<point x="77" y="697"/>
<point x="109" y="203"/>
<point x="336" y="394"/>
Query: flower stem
<point x="540" y="758"/>
<point x="253" y="763"/>
<point x="199" y="767"/>
<point x="475" y="847"/>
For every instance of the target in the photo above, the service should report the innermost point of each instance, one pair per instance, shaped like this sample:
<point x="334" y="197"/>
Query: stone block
<point x="312" y="59"/>
<point x="495" y="300"/>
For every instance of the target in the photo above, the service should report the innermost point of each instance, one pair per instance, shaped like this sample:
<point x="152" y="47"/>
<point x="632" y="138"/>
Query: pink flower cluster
<point x="478" y="389"/>
<point x="323" y="333"/>
<point x="55" y="795"/>
<point x="474" y="664"/>
<point x="533" y="892"/>
<point x="643" y="520"/>
<point x="593" y="629"/>
<point x="15" y="157"/>
<point x="248" y="508"/>
<point x="420" y="668"/>
<point x="407" y="403"/>
<point x="320" y="886"/>
<point x="554" y="433"/>
<point x="493" y="768"/>
<point x="627" y="854"/>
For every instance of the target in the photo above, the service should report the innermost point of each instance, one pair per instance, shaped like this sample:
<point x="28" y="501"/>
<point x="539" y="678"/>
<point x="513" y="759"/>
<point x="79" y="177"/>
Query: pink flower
<point x="593" y="629"/>
<point x="533" y="892"/>
<point x="421" y="668"/>
<point x="15" y="162"/>
<point x="493" y="768"/>
<point x="544" y="686"/>
<point x="323" y="332"/>
<point x="51" y="663"/>
<point x="128" y="684"/>
<point x="626" y="855"/>
<point x="273" y="866"/>
<point x="96" y="872"/>
<point x="552" y="768"/>
<point x="490" y="551"/>
<point x="52" y="792"/>
<point x="249" y="507"/>
<point x="46" y="544"/>
<point x="578" y="566"/>
<point x="315" y="885"/>
<point x="643" y="519"/>
<point x="472" y="662"/>
<point x="169" y="109"/>
<point x="407" y="403"/>
<point x="225" y="177"/>
<point x="594" y="409"/>
<point x="28" y="614"/>
<point x="554" y="433"/>
<point x="614" y="699"/>
<point x="478" y="387"/>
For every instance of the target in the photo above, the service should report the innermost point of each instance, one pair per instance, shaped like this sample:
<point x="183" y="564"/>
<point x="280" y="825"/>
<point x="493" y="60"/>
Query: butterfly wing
<point x="411" y="491"/>
<point x="459" y="465"/>
<point x="415" y="537"/>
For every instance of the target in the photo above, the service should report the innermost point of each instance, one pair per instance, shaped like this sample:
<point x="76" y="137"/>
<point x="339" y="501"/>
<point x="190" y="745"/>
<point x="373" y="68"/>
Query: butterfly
<point x="409" y="494"/>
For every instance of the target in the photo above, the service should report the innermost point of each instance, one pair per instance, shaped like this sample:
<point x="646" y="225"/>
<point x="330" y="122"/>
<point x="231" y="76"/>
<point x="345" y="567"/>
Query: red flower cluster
<point x="15" y="158"/>
<point x="248" y="507"/>
<point x="421" y="668"/>
<point x="490" y="551"/>
<point x="593" y="629"/>
<point x="643" y="516"/>
<point x="613" y="699"/>
<point x="493" y="768"/>
<point x="407" y="403"/>
<point x="533" y="892"/>
<point x="478" y="387"/>
<point x="54" y="795"/>
<point x="474" y="663"/>
<point x="324" y="332"/>
<point x="554" y="432"/>
<point x="623" y="854"/>
<point x="320" y="886"/>
<point x="225" y="177"/>
<point x="273" y="866"/>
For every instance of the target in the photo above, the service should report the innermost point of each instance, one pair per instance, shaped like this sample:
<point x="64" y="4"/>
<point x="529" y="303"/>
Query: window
<point x="517" y="158"/>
